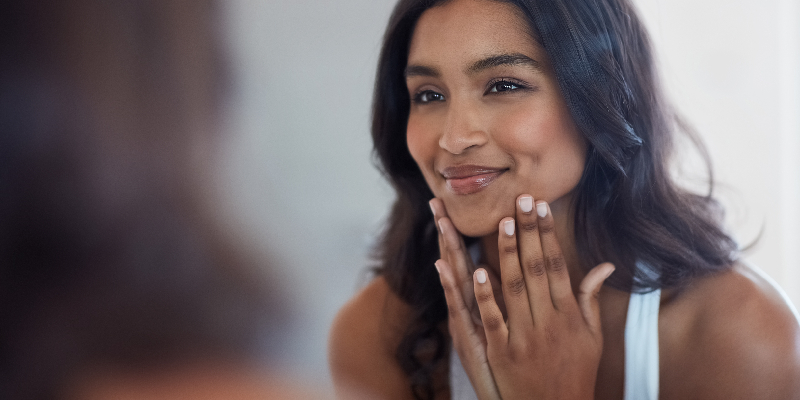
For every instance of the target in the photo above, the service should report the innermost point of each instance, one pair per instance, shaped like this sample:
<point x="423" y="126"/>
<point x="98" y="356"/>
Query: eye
<point x="504" y="85"/>
<point x="427" y="96"/>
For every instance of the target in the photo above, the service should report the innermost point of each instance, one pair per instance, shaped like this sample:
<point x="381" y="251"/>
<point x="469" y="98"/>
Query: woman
<point x="538" y="129"/>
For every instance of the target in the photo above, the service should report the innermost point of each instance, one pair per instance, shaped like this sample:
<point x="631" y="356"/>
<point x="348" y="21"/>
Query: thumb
<point x="588" y="295"/>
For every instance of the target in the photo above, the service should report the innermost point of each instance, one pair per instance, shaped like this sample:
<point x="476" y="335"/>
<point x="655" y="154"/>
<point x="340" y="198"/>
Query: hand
<point x="550" y="346"/>
<point x="457" y="255"/>
<point x="468" y="340"/>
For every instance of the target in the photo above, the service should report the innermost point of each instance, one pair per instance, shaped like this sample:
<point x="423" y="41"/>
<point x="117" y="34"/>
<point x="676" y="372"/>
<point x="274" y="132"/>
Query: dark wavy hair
<point x="628" y="209"/>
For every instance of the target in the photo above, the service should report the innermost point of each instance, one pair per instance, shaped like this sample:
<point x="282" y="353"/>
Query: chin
<point x="476" y="231"/>
<point x="477" y="224"/>
<point x="478" y="216"/>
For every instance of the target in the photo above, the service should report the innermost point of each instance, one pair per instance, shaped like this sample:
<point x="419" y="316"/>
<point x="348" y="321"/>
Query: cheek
<point x="547" y="148"/>
<point x="525" y="134"/>
<point x="415" y="140"/>
<point x="422" y="145"/>
<point x="537" y="133"/>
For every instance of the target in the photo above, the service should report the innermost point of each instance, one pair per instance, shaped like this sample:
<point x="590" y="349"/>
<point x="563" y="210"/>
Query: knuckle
<point x="573" y="322"/>
<point x="522" y="352"/>
<point x="484" y="297"/>
<point x="454" y="310"/>
<point x="454" y="246"/>
<point x="515" y="285"/>
<point x="557" y="263"/>
<point x="492" y="323"/>
<point x="451" y="311"/>
<point x="445" y="283"/>
<point x="510" y="249"/>
<point x="449" y="289"/>
<point x="529" y="226"/>
<point x="546" y="227"/>
<point x="535" y="266"/>
<point x="551" y="334"/>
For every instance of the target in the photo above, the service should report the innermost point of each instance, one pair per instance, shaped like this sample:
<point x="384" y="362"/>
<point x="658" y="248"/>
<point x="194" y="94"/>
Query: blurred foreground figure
<point x="114" y="280"/>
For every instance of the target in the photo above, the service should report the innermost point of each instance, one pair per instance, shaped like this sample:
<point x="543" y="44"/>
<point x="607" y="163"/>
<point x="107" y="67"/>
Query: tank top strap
<point x="641" y="346"/>
<point x="641" y="349"/>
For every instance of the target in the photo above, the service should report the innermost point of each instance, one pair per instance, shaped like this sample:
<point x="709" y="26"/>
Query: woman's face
<point x="487" y="120"/>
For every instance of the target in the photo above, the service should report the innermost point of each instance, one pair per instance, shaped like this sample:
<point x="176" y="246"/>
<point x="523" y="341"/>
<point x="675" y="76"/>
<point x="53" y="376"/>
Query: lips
<point x="469" y="179"/>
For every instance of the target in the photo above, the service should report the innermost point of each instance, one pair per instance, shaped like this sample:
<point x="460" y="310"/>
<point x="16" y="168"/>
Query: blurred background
<point x="298" y="182"/>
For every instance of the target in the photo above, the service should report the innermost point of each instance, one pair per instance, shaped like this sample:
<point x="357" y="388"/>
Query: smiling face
<point x="487" y="120"/>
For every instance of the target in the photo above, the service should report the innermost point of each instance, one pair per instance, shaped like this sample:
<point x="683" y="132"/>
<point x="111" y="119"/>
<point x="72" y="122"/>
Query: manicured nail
<point x="526" y="204"/>
<point x="481" y="276"/>
<point x="508" y="226"/>
<point x="436" y="264"/>
<point x="610" y="271"/>
<point x="439" y="224"/>
<point x="541" y="209"/>
<point x="433" y="210"/>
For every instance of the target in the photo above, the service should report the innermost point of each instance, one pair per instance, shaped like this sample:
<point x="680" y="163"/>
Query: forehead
<point x="471" y="29"/>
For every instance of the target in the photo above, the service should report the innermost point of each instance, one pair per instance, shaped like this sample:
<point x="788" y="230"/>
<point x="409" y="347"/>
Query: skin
<point x="510" y="116"/>
<point x="544" y="328"/>
<point x="192" y="380"/>
<point x="726" y="336"/>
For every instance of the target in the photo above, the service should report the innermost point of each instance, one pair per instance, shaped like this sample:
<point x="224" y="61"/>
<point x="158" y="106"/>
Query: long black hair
<point x="628" y="209"/>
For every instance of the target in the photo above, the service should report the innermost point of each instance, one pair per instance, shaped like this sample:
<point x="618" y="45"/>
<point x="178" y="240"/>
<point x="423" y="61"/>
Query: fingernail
<point x="436" y="264"/>
<point x="433" y="210"/>
<point x="541" y="209"/>
<point x="509" y="227"/>
<point x="481" y="276"/>
<point x="526" y="204"/>
<point x="611" y="271"/>
<point x="439" y="224"/>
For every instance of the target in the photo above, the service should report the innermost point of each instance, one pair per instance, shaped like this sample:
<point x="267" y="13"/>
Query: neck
<point x="564" y="218"/>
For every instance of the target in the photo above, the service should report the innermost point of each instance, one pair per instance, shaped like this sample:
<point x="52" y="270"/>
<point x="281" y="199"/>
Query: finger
<point x="514" y="291"/>
<point x="557" y="273"/>
<point x="434" y="204"/>
<point x="454" y="251"/>
<point x="589" y="295"/>
<point x="460" y="321"/>
<point x="493" y="323"/>
<point x="532" y="259"/>
<point x="457" y="256"/>
<point x="456" y="240"/>
<point x="469" y="343"/>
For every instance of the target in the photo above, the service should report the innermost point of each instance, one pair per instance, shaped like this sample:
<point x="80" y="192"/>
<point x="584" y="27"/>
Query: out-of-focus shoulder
<point x="740" y="336"/>
<point x="745" y="300"/>
<point x="374" y="310"/>
<point x="362" y="344"/>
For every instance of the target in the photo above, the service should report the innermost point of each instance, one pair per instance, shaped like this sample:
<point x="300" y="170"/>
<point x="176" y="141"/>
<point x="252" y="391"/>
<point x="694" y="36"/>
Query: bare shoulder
<point x="731" y="335"/>
<point x="362" y="343"/>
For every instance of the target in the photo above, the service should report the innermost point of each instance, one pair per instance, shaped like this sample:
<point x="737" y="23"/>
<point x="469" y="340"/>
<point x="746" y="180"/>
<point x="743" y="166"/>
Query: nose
<point x="462" y="129"/>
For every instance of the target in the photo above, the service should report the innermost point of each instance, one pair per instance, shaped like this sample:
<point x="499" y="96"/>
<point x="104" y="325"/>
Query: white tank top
<point x="641" y="353"/>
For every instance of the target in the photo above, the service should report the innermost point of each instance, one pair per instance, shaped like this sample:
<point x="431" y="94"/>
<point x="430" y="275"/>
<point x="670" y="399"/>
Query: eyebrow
<point x="421" y="70"/>
<point x="478" y="66"/>
<point x="503" y="59"/>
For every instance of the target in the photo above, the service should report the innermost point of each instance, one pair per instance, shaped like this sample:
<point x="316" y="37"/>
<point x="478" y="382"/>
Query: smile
<point x="469" y="179"/>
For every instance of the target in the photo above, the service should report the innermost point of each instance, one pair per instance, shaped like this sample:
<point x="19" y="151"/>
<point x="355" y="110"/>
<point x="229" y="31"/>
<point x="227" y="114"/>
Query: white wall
<point x="297" y="174"/>
<point x="732" y="67"/>
<point x="297" y="170"/>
